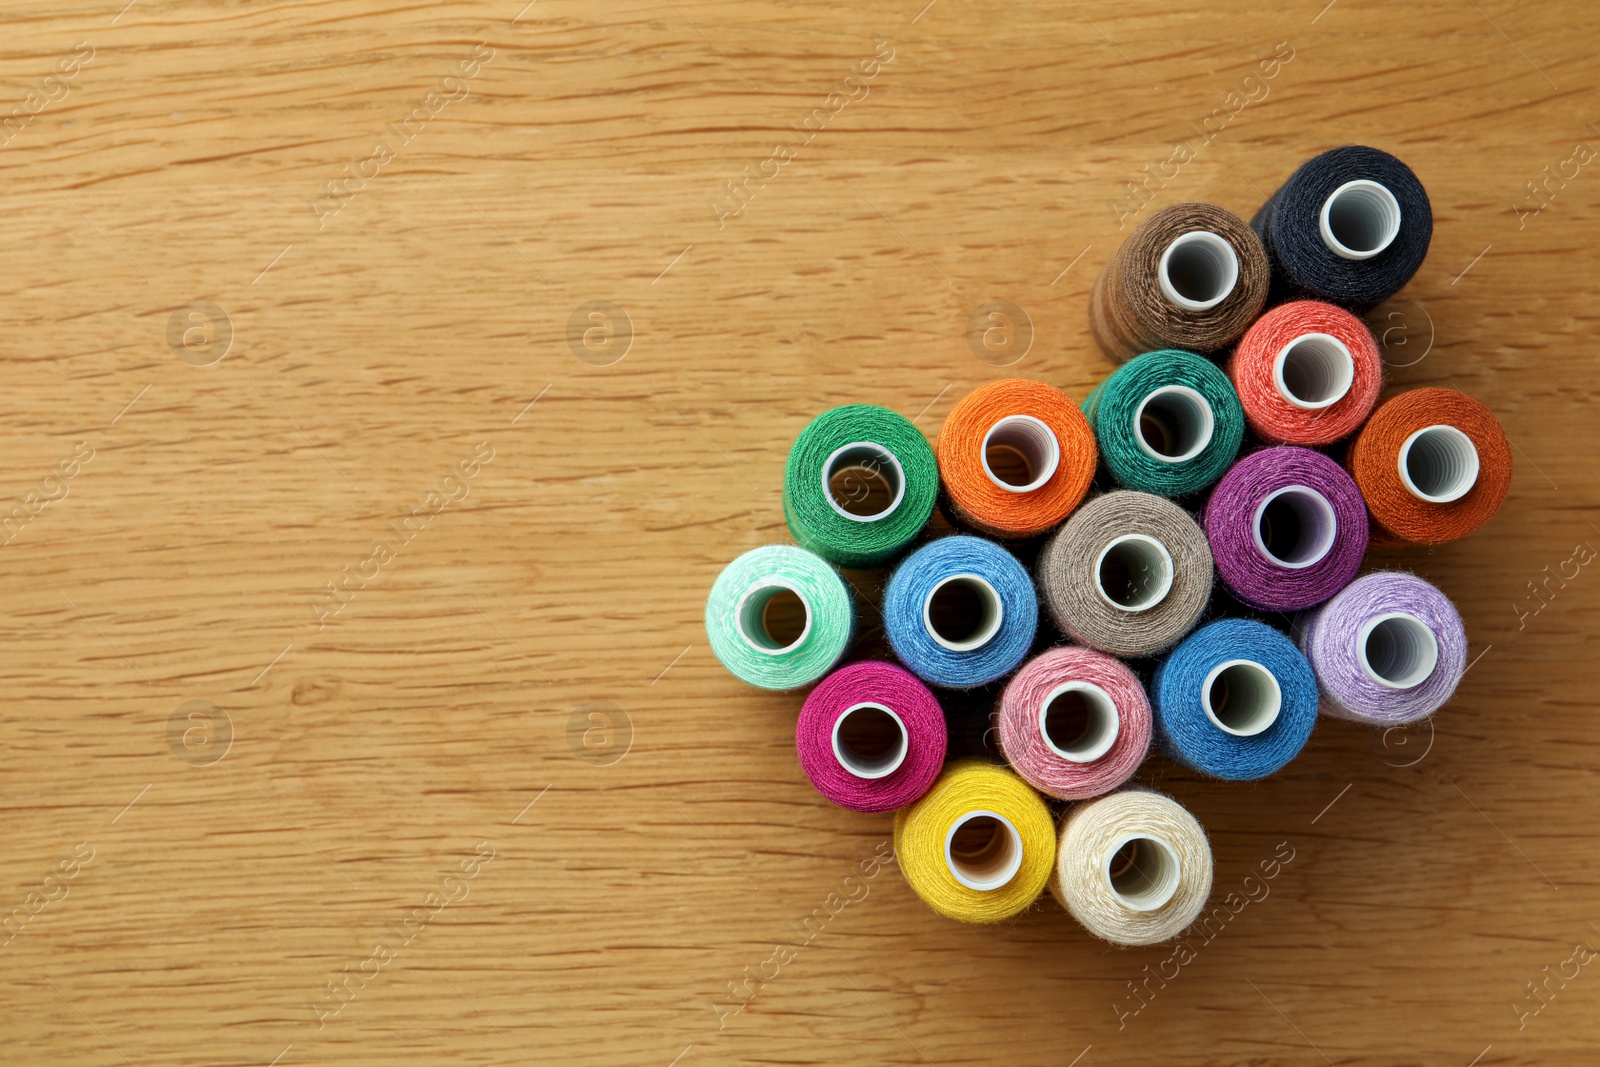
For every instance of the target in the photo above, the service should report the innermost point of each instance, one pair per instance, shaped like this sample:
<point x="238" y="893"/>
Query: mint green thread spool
<point x="859" y="485"/>
<point x="741" y="630"/>
<point x="1167" y="422"/>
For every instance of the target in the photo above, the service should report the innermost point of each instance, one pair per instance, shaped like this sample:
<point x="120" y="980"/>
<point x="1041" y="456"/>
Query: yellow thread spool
<point x="979" y="847"/>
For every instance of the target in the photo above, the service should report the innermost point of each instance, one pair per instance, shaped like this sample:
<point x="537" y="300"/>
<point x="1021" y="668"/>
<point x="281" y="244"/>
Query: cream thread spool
<point x="1198" y="271"/>
<point x="1359" y="219"/>
<point x="1314" y="371"/>
<point x="1438" y="464"/>
<point x="1181" y="418"/>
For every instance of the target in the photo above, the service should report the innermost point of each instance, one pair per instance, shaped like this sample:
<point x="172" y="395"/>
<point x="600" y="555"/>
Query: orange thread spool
<point x="1016" y="457"/>
<point x="1432" y="464"/>
<point x="1307" y="373"/>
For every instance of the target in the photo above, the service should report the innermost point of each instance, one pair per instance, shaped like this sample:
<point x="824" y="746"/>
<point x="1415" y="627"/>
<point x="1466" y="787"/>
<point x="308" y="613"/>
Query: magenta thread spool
<point x="1288" y="528"/>
<point x="871" y="737"/>
<point x="1074" y="723"/>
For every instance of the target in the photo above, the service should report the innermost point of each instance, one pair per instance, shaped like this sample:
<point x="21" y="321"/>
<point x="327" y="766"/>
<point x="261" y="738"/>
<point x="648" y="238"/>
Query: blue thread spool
<point x="960" y="612"/>
<point x="1236" y="700"/>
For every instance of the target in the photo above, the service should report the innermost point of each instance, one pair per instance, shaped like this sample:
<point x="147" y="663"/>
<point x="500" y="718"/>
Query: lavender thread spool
<point x="1287" y="527"/>
<point x="1390" y="649"/>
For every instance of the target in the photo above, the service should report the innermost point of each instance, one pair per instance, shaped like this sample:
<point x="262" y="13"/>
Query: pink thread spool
<point x="1074" y="723"/>
<point x="871" y="737"/>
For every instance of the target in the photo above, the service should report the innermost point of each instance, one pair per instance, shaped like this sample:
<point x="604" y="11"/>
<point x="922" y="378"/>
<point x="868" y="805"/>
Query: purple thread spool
<point x="1288" y="528"/>
<point x="1389" y="649"/>
<point x="871" y="737"/>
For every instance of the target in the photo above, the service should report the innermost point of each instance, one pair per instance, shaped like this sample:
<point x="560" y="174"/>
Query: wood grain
<point x="450" y="701"/>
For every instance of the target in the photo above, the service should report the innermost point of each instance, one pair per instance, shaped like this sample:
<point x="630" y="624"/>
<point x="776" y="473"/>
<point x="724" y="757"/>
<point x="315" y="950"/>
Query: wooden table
<point x="287" y="282"/>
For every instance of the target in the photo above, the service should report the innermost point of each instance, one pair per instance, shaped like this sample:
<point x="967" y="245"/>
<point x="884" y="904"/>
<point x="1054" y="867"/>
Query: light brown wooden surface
<point x="1435" y="872"/>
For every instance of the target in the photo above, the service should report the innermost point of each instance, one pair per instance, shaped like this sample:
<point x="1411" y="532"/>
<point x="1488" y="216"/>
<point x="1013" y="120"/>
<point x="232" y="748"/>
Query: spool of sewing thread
<point x="860" y="483"/>
<point x="1389" y="649"/>
<point x="1433" y="465"/>
<point x="1167" y="423"/>
<point x="1191" y="276"/>
<point x="1016" y="457"/>
<point x="1134" y="867"/>
<point x="979" y="847"/>
<point x="960" y="612"/>
<point x="1128" y="574"/>
<point x="1074" y="723"/>
<point x="871" y="737"/>
<point x="1236" y="700"/>
<point x="779" y="617"/>
<point x="1350" y="227"/>
<point x="1287" y="527"/>
<point x="1307" y="373"/>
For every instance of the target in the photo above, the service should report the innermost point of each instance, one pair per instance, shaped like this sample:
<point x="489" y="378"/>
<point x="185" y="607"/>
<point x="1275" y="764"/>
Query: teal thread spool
<point x="779" y="653"/>
<point x="859" y="485"/>
<point x="1167" y="422"/>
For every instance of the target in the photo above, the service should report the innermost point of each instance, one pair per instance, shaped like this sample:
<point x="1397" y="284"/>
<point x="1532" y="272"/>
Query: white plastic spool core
<point x="1294" y="527"/>
<point x="1314" y="371"/>
<point x="1142" y="872"/>
<point x="1438" y="464"/>
<point x="1198" y="270"/>
<point x="989" y="854"/>
<point x="1241" y="697"/>
<point x="872" y="459"/>
<point x="1359" y="219"/>
<point x="1397" y="650"/>
<point x="1133" y="572"/>
<point x="875" y="744"/>
<point x="1173" y="424"/>
<point x="750" y="618"/>
<point x="1078" y="721"/>
<point x="986" y="614"/>
<point x="1029" y="438"/>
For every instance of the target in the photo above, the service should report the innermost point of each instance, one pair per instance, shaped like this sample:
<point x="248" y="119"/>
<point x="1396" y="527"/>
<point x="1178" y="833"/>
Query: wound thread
<point x="996" y="445"/>
<point x="1287" y="527"/>
<point x="1307" y="373"/>
<point x="1099" y="574"/>
<point x="739" y="621"/>
<point x="1435" y="461"/>
<point x="898" y="723"/>
<point x="1134" y="868"/>
<point x="1191" y="276"/>
<point x="1074" y="723"/>
<point x="1350" y="227"/>
<point x="979" y="847"/>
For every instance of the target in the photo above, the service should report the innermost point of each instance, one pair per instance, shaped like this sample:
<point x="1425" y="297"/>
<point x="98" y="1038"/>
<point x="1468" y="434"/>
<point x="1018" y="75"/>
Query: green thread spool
<point x="1167" y="422"/>
<point x="859" y="485"/>
<point x="782" y="649"/>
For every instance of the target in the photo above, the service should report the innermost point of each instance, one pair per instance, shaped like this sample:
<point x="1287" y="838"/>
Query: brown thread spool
<point x="1432" y="464"/>
<point x="1192" y="276"/>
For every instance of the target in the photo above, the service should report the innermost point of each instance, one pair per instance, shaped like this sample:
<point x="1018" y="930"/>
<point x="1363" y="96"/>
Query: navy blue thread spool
<point x="1350" y="226"/>
<point x="960" y="612"/>
<point x="1236" y="700"/>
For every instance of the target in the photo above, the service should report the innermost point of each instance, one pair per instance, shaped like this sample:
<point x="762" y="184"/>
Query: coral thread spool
<point x="1307" y="373"/>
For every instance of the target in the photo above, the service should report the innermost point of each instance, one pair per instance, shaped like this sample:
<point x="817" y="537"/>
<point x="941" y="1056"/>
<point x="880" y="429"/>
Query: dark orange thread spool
<point x="1016" y="457"/>
<point x="1432" y="464"/>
